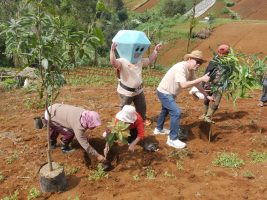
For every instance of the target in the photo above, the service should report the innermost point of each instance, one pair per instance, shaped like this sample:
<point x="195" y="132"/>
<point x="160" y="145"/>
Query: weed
<point x="14" y="196"/>
<point x="230" y="160"/>
<point x="258" y="157"/>
<point x="180" y="165"/>
<point x="261" y="140"/>
<point x="150" y="173"/>
<point x="72" y="170"/>
<point x="168" y="174"/>
<point x="97" y="174"/>
<point x="34" y="193"/>
<point x="75" y="198"/>
<point x="136" y="177"/>
<point x="12" y="158"/>
<point x="209" y="172"/>
<point x="2" y="177"/>
<point x="9" y="84"/>
<point x="248" y="174"/>
<point x="180" y="154"/>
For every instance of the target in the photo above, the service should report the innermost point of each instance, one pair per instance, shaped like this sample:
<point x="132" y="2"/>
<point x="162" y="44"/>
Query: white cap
<point x="127" y="114"/>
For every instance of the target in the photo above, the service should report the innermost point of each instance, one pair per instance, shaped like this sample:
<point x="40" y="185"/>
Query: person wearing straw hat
<point x="215" y="74"/>
<point x="129" y="115"/>
<point x="178" y="77"/>
<point x="70" y="121"/>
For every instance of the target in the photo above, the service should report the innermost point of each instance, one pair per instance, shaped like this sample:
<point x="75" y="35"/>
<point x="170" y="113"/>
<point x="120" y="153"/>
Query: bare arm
<point x="113" y="61"/>
<point x="154" y="54"/>
<point x="195" y="82"/>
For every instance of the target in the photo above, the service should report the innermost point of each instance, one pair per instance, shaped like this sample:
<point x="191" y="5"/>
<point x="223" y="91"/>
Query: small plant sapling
<point x="33" y="194"/>
<point x="118" y="132"/>
<point x="98" y="173"/>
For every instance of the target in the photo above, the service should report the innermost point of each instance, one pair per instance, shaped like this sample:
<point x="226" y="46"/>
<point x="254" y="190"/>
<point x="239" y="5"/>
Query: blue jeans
<point x="169" y="106"/>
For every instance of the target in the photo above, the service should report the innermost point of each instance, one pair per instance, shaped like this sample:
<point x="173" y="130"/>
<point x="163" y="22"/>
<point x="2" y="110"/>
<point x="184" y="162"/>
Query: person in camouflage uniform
<point x="209" y="108"/>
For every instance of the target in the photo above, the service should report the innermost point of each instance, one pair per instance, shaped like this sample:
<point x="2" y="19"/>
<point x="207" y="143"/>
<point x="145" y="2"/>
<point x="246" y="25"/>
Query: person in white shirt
<point x="178" y="77"/>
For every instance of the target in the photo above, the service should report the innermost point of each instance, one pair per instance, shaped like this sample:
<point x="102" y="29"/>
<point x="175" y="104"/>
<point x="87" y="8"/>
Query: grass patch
<point x="2" y="177"/>
<point x="230" y="160"/>
<point x="136" y="177"/>
<point x="258" y="157"/>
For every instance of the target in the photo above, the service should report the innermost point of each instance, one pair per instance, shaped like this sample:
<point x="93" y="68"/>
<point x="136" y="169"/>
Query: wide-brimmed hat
<point x="223" y="49"/>
<point x="127" y="114"/>
<point x="196" y="54"/>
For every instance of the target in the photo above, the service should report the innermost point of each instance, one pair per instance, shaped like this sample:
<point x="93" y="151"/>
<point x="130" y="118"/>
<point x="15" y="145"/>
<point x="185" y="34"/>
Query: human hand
<point x="158" y="47"/>
<point x="113" y="46"/>
<point x="206" y="77"/>
<point x="211" y="98"/>
<point x="131" y="147"/>
<point x="101" y="158"/>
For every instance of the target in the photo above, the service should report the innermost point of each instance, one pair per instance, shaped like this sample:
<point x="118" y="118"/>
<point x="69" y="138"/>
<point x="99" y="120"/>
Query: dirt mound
<point x="248" y="9"/>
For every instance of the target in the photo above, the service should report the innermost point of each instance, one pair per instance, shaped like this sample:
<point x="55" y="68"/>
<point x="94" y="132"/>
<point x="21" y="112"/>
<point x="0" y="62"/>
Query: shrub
<point x="225" y="10"/>
<point x="172" y="7"/>
<point x="258" y="157"/>
<point x="229" y="3"/>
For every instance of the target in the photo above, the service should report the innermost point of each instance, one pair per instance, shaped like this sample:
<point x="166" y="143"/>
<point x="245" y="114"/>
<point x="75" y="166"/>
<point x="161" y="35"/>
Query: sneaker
<point x="164" y="131"/>
<point x="67" y="149"/>
<point x="53" y="144"/>
<point x="175" y="143"/>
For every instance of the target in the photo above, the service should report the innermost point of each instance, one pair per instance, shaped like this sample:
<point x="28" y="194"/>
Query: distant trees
<point x="173" y="7"/>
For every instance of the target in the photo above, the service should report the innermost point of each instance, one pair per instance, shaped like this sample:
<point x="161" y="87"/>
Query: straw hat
<point x="196" y="54"/>
<point x="127" y="114"/>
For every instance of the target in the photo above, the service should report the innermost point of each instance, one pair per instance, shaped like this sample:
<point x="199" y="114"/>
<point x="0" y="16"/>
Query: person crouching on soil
<point x="129" y="115"/>
<point x="178" y="77"/>
<point x="70" y="121"/>
<point x="208" y="107"/>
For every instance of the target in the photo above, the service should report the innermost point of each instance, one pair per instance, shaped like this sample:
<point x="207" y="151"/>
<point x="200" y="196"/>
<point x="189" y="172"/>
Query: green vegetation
<point x="258" y="157"/>
<point x="71" y="170"/>
<point x="12" y="158"/>
<point x="118" y="131"/>
<point x="230" y="160"/>
<point x="97" y="174"/>
<point x="168" y="174"/>
<point x="248" y="174"/>
<point x="136" y="177"/>
<point x="180" y="165"/>
<point x="33" y="194"/>
<point x="14" y="196"/>
<point x="150" y="173"/>
<point x="2" y="177"/>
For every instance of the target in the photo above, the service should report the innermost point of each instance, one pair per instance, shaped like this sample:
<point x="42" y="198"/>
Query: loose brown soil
<point x="237" y="131"/>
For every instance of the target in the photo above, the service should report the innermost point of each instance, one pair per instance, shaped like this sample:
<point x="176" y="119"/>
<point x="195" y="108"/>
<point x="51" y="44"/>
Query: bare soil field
<point x="187" y="174"/>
